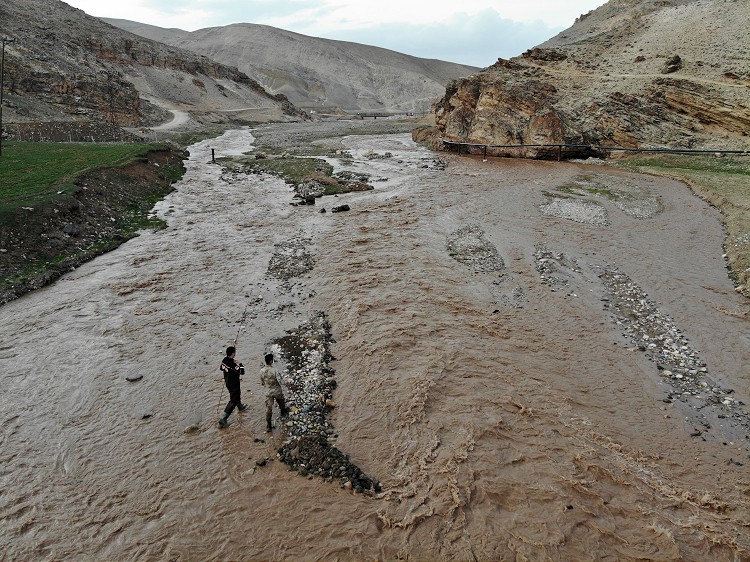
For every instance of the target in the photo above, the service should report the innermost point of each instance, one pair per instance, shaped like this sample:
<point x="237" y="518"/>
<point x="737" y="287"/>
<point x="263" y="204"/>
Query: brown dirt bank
<point x="41" y="243"/>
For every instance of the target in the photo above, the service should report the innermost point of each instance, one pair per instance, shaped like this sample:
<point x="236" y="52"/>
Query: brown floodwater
<point x="505" y="420"/>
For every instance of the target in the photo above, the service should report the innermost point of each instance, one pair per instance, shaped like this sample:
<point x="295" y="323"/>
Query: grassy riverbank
<point x="725" y="183"/>
<point x="34" y="172"/>
<point x="62" y="204"/>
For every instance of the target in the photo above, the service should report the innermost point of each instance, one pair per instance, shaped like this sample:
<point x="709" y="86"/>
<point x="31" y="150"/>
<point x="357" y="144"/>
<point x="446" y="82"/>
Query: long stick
<point x="236" y="339"/>
<point x="242" y="324"/>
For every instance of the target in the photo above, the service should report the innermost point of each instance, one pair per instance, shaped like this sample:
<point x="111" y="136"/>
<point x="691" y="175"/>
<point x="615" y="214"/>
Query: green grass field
<point x="41" y="191"/>
<point x="292" y="170"/>
<point x="31" y="173"/>
<point x="296" y="170"/>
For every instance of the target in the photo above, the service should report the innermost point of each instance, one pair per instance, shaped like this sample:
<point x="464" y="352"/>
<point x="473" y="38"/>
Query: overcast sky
<point x="474" y="32"/>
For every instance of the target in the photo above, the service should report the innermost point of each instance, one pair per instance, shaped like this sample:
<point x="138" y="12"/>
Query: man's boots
<point x="269" y="427"/>
<point x="223" y="420"/>
<point x="242" y="407"/>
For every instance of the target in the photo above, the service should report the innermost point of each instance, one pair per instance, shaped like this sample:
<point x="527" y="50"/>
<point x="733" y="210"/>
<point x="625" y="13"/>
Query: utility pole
<point x="4" y="40"/>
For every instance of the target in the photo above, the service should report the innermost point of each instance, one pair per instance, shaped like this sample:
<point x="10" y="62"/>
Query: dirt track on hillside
<point x="488" y="372"/>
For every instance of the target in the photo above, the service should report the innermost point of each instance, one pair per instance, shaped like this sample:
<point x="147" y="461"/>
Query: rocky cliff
<point x="66" y="65"/>
<point x="631" y="73"/>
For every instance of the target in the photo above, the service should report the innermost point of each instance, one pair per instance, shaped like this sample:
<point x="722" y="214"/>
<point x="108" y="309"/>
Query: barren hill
<point x="631" y="73"/>
<point x="316" y="73"/>
<point x="65" y="65"/>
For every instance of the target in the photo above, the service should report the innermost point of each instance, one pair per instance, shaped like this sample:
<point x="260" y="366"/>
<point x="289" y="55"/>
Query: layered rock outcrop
<point x="66" y="65"/>
<point x="614" y="79"/>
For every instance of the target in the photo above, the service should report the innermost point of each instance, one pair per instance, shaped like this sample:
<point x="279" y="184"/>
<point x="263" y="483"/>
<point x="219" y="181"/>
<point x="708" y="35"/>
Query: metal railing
<point x="591" y="148"/>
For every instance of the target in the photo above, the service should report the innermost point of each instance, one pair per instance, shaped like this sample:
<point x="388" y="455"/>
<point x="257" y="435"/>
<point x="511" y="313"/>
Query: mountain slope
<point x="317" y="73"/>
<point x="631" y="73"/>
<point x="66" y="65"/>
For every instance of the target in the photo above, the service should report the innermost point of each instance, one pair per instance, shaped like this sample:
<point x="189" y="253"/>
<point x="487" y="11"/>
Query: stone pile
<point x="308" y="191"/>
<point x="433" y="164"/>
<point x="310" y="380"/>
<point x="372" y="155"/>
<point x="548" y="265"/>
<point x="291" y="258"/>
<point x="576" y="210"/>
<point x="657" y="335"/>
<point x="469" y="246"/>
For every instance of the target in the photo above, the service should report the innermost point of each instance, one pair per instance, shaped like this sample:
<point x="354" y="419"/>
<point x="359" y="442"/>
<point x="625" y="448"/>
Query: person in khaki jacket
<point x="271" y="379"/>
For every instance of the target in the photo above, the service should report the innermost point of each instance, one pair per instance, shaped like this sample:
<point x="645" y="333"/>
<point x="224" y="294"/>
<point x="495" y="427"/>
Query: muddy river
<point x="499" y="368"/>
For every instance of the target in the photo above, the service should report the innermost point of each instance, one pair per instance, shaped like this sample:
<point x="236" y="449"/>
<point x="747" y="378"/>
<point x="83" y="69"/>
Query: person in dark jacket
<point x="232" y="371"/>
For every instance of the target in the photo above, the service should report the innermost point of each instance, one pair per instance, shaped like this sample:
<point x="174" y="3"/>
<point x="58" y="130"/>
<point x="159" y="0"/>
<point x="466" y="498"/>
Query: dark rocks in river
<point x="310" y="382"/>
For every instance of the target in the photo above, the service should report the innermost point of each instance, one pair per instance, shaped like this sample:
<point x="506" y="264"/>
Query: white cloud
<point x="185" y="15"/>
<point x="476" y="40"/>
<point x="348" y="14"/>
<point x="329" y="13"/>
<point x="478" y="31"/>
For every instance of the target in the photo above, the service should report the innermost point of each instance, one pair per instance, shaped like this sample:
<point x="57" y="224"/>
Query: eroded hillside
<point x="651" y="72"/>
<point x="65" y="65"/>
<point x="319" y="74"/>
